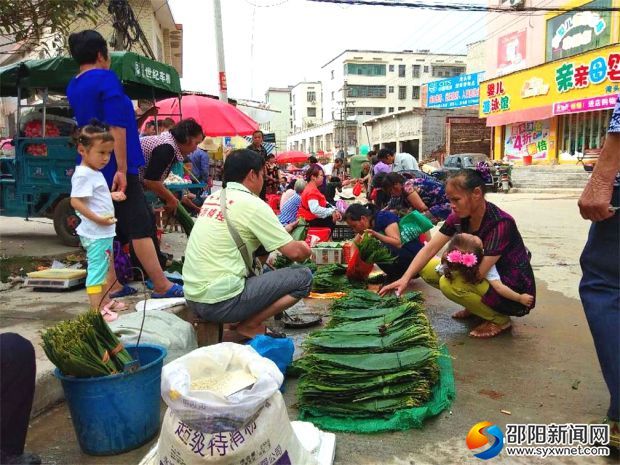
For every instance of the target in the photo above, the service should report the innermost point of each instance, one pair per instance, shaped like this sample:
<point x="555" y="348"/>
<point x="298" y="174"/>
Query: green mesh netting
<point x="442" y="395"/>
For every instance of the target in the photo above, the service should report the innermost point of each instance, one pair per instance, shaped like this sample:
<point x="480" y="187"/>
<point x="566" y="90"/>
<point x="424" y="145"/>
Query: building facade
<point x="366" y="83"/>
<point x="306" y="105"/>
<point x="278" y="100"/>
<point x="420" y="131"/>
<point x="325" y="137"/>
<point x="556" y="107"/>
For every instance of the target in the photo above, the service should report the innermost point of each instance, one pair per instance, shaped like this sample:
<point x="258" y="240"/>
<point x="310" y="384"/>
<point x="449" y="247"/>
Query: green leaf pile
<point x="375" y="357"/>
<point x="373" y="251"/>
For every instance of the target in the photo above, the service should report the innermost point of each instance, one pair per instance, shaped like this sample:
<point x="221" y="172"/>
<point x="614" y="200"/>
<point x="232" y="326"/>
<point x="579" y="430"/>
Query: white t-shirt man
<point x="405" y="162"/>
<point x="91" y="186"/>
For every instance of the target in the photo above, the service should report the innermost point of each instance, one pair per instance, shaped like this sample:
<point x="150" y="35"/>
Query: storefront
<point x="557" y="112"/>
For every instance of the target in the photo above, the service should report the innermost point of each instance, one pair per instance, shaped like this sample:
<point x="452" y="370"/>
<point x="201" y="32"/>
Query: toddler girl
<point x="91" y="198"/>
<point x="464" y="255"/>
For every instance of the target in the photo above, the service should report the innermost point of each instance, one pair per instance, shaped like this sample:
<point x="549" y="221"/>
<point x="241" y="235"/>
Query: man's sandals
<point x="488" y="329"/>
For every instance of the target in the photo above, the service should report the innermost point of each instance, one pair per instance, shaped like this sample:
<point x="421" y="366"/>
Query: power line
<point x="465" y="7"/>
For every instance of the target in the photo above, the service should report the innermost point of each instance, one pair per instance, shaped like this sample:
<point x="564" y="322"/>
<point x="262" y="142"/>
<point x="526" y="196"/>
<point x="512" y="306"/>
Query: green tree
<point x="40" y="21"/>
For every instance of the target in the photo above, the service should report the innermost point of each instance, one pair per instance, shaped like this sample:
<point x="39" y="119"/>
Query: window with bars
<point x="416" y="71"/>
<point x="364" y="69"/>
<point x="366" y="91"/>
<point x="583" y="131"/>
<point x="402" y="92"/>
<point x="391" y="68"/>
<point x="311" y="96"/>
<point x="415" y="92"/>
<point x="391" y="89"/>
<point x="401" y="70"/>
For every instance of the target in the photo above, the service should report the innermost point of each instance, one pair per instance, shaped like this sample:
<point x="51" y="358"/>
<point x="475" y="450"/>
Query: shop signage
<point x="459" y="91"/>
<point x="571" y="74"/>
<point x="497" y="100"/>
<point x="531" y="138"/>
<point x="590" y="75"/>
<point x="578" y="31"/>
<point x="587" y="104"/>
<point x="511" y="52"/>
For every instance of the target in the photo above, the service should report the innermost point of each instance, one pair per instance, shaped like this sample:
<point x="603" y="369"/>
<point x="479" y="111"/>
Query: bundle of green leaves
<point x="85" y="347"/>
<point x="376" y="356"/>
<point x="372" y="250"/>
<point x="332" y="278"/>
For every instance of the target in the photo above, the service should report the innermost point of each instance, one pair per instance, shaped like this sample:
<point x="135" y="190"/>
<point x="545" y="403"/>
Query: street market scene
<point x="309" y="232"/>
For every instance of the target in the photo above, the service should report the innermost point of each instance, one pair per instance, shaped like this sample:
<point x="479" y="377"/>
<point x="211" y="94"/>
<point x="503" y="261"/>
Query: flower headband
<point x="467" y="259"/>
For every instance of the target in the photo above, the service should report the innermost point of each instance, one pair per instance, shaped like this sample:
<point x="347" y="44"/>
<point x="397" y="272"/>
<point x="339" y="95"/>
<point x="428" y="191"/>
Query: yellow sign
<point x="576" y="79"/>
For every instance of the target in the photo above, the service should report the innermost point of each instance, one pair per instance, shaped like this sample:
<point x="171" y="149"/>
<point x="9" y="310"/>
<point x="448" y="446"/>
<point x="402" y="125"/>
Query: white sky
<point x="274" y="43"/>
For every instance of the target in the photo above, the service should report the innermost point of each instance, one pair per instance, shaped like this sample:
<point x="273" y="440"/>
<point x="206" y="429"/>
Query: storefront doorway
<point x="581" y="132"/>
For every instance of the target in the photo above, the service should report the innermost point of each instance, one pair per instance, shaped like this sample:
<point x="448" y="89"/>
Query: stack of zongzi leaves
<point x="85" y="347"/>
<point x="376" y="356"/>
<point x="332" y="278"/>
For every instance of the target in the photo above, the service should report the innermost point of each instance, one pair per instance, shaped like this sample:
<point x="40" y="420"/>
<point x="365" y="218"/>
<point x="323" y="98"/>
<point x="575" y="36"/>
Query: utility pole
<point x="219" y="44"/>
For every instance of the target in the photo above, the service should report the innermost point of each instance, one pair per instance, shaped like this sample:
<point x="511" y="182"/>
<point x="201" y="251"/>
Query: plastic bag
<point x="358" y="269"/>
<point x="412" y="225"/>
<point x="357" y="189"/>
<point x="278" y="350"/>
<point x="206" y="410"/>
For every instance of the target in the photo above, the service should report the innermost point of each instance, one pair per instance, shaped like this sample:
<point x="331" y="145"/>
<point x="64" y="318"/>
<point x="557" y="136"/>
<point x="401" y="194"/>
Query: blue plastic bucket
<point x="117" y="413"/>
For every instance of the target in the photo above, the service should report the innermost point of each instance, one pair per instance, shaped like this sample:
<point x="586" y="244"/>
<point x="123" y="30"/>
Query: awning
<point x="520" y="116"/>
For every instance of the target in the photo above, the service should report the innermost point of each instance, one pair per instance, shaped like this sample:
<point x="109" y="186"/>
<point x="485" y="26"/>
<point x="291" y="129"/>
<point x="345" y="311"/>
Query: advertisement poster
<point x="576" y="32"/>
<point x="531" y="138"/>
<point x="511" y="52"/>
<point x="459" y="91"/>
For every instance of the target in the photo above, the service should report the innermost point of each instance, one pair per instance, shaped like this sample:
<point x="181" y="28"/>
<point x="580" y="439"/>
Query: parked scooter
<point x="502" y="177"/>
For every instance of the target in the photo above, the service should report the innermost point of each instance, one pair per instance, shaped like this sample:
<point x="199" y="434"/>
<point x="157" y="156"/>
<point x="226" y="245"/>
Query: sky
<point x="276" y="43"/>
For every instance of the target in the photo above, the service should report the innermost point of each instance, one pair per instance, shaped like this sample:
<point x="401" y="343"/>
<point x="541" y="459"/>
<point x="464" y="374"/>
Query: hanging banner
<point x="531" y="138"/>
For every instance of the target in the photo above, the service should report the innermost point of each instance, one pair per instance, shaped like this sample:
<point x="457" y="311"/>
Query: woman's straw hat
<point x="209" y="145"/>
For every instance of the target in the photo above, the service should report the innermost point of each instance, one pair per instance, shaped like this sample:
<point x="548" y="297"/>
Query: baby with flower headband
<point x="464" y="255"/>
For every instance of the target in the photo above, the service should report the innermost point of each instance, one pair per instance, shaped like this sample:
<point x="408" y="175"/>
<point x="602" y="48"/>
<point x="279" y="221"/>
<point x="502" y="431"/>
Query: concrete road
<point x="545" y="371"/>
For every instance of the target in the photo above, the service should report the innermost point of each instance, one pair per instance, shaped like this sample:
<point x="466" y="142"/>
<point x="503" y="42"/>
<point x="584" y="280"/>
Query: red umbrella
<point x="291" y="157"/>
<point x="217" y="118"/>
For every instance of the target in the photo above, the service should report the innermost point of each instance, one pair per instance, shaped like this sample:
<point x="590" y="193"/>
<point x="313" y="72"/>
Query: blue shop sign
<point x="459" y="91"/>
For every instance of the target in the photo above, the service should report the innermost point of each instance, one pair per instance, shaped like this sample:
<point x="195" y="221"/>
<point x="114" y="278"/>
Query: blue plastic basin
<point x="117" y="413"/>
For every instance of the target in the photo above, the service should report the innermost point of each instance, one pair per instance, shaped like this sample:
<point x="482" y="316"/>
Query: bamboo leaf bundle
<point x="372" y="250"/>
<point x="377" y="356"/>
<point x="184" y="219"/>
<point x="85" y="347"/>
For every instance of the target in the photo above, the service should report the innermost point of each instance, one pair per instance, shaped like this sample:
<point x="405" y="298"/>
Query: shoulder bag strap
<point x="241" y="246"/>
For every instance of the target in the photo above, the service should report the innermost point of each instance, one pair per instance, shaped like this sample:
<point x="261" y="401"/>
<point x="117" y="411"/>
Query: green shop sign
<point x="578" y="31"/>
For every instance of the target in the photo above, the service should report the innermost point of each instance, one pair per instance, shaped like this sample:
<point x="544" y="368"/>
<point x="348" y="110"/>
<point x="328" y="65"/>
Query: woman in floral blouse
<point x="424" y="194"/>
<point x="503" y="247"/>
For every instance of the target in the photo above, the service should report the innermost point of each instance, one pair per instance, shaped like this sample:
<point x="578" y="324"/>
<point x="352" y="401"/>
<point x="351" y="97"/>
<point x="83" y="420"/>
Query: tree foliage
<point x="40" y="21"/>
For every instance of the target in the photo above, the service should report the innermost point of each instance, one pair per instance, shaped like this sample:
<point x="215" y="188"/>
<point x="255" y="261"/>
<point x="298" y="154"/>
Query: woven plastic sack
<point x="266" y="438"/>
<point x="442" y="395"/>
<point x="206" y="410"/>
<point x="412" y="225"/>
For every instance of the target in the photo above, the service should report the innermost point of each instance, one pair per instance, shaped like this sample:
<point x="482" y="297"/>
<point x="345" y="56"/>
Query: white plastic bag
<point x="268" y="439"/>
<point x="207" y="411"/>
